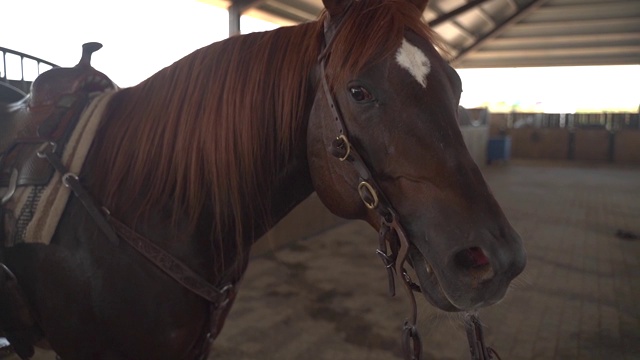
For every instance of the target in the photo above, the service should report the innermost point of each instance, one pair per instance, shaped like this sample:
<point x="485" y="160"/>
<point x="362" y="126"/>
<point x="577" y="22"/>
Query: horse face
<point x="400" y="114"/>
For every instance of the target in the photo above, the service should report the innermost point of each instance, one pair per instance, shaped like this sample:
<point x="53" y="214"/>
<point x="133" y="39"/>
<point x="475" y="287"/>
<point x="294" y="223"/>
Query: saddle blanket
<point x="33" y="212"/>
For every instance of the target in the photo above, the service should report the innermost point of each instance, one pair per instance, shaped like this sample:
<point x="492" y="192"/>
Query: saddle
<point x="45" y="117"/>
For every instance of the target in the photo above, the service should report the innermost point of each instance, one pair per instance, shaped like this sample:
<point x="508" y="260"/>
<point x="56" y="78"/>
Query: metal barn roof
<point x="515" y="33"/>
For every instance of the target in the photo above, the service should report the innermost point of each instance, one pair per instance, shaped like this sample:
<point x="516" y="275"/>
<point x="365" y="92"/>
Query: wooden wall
<point x="583" y="137"/>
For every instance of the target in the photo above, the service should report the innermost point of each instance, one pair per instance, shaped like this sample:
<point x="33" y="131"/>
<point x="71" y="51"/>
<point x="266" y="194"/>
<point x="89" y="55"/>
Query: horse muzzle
<point x="469" y="276"/>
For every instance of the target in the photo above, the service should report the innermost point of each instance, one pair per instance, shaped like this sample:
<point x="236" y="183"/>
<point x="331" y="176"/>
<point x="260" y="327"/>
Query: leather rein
<point x="393" y="244"/>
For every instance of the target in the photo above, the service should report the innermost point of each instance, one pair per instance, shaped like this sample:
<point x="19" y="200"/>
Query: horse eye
<point x="360" y="94"/>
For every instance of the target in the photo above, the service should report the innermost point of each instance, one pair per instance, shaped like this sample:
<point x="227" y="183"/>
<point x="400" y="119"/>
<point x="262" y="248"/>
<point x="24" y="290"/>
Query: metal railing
<point x="39" y="62"/>
<point x="17" y="72"/>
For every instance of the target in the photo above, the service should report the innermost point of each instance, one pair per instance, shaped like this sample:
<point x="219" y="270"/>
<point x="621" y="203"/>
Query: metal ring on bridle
<point x="347" y="145"/>
<point x="411" y="344"/>
<point x="361" y="190"/>
<point x="67" y="176"/>
<point x="225" y="293"/>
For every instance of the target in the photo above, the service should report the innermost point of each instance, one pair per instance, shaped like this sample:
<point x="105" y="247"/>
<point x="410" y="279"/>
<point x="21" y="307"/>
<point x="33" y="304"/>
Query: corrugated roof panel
<point x="507" y="33"/>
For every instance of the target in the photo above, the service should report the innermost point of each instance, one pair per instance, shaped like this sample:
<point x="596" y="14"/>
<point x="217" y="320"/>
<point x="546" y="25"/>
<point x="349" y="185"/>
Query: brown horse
<point x="205" y="156"/>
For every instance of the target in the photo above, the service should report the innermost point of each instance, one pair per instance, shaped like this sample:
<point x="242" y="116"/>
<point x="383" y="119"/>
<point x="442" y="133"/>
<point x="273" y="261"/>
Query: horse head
<point x="398" y="103"/>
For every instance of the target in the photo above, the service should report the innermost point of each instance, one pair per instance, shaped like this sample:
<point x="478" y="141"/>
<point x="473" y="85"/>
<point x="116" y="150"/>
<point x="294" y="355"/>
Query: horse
<point x="191" y="166"/>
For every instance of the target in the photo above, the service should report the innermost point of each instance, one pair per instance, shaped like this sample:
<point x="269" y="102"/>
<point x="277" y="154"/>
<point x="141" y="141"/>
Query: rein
<point x="393" y="244"/>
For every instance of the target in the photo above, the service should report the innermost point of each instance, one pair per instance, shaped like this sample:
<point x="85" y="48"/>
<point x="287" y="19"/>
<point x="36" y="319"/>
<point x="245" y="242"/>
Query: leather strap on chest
<point x="219" y="299"/>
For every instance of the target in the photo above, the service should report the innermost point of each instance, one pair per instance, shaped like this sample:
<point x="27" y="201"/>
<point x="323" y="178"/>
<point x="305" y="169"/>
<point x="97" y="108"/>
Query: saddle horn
<point x="87" y="50"/>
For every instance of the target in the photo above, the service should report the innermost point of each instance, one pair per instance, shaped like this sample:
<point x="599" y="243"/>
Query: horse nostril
<point x="470" y="258"/>
<point x="474" y="261"/>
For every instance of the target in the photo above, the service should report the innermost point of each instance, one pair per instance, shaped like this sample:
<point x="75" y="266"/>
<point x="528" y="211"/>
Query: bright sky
<point x="553" y="89"/>
<point x="142" y="36"/>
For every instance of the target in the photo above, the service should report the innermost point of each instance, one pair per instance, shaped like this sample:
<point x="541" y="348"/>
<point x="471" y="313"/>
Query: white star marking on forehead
<point x="414" y="60"/>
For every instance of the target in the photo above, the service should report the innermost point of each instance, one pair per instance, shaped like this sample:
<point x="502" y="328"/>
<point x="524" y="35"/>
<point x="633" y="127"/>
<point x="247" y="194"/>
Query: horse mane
<point x="210" y="133"/>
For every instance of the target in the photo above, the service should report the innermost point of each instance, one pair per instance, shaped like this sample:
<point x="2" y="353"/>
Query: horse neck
<point x="139" y="121"/>
<point x="293" y="185"/>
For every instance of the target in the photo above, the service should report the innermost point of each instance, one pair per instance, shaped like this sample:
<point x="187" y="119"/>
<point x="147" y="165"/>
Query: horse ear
<point x="335" y="8"/>
<point x="420" y="4"/>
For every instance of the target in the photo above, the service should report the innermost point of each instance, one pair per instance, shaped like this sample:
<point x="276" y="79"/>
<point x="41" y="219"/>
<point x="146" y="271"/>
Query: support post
<point x="234" y="18"/>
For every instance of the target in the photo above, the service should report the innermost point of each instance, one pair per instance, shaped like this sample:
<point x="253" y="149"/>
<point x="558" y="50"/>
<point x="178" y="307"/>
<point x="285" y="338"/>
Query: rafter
<point x="462" y="9"/>
<point x="539" y="42"/>
<point x="534" y="4"/>
<point x="558" y="52"/>
<point x="461" y="29"/>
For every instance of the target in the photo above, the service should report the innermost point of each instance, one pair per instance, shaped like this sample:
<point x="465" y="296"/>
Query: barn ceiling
<point x="516" y="33"/>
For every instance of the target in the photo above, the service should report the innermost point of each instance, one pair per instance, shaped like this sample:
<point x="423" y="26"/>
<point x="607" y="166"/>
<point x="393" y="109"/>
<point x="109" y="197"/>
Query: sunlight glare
<point x="141" y="37"/>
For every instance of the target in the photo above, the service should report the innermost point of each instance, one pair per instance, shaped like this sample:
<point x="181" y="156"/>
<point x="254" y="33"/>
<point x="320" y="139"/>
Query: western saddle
<point x="45" y="117"/>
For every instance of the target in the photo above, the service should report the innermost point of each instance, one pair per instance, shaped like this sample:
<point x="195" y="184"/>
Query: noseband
<point x="393" y="244"/>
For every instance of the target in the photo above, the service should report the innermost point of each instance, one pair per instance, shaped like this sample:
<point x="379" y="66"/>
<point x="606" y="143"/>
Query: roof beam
<point x="461" y="29"/>
<point x="596" y="26"/>
<point x="487" y="17"/>
<point x="558" y="52"/>
<point x="244" y="5"/>
<point x="534" y="4"/>
<point x="550" y="61"/>
<point x="296" y="13"/>
<point x="540" y="42"/>
<point x="468" y="6"/>
<point x="565" y="13"/>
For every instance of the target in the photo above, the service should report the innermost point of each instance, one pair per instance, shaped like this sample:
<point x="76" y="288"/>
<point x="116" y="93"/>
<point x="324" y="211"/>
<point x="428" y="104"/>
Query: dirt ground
<point x="325" y="297"/>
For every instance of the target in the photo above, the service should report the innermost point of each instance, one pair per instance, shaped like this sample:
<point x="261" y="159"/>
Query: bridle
<point x="374" y="199"/>
<point x="393" y="245"/>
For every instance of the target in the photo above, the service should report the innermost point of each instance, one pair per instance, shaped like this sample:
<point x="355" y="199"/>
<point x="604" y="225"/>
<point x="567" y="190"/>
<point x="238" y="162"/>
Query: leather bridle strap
<point x="475" y="336"/>
<point x="374" y="198"/>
